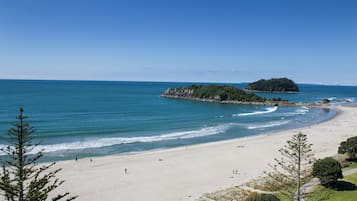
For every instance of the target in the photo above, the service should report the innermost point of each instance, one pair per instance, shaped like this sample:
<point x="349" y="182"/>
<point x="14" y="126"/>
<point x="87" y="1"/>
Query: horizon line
<point x="160" y="81"/>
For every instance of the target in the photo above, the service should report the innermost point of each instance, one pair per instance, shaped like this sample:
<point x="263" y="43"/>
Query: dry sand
<point x="186" y="173"/>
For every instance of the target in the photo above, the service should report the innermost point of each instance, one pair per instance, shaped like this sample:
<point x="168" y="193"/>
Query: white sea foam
<point x="331" y="98"/>
<point x="350" y="100"/>
<point x="268" y="125"/>
<point x="300" y="111"/>
<point x="343" y="100"/>
<point x="267" y="110"/>
<point x="103" y="142"/>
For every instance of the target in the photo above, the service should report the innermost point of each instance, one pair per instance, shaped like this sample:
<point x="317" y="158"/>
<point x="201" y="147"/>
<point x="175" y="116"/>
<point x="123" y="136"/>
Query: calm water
<point x="89" y="118"/>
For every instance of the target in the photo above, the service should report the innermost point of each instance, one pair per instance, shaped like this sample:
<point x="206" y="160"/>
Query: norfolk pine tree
<point x="290" y="170"/>
<point x="22" y="179"/>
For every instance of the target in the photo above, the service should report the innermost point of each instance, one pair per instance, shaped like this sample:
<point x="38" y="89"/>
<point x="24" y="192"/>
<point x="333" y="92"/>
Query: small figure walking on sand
<point x="91" y="160"/>
<point x="235" y="171"/>
<point x="125" y="171"/>
<point x="76" y="159"/>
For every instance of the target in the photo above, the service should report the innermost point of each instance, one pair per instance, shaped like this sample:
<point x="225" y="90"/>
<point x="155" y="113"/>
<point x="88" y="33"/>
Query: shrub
<point x="328" y="170"/>
<point x="350" y="147"/>
<point x="262" y="197"/>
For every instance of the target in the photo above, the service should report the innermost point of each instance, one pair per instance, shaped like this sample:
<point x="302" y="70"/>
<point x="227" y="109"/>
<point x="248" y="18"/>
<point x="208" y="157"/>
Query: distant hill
<point x="219" y="93"/>
<point x="273" y="85"/>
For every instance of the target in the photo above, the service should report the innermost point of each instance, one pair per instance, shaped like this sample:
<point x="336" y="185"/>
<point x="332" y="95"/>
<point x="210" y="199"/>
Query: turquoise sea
<point x="95" y="118"/>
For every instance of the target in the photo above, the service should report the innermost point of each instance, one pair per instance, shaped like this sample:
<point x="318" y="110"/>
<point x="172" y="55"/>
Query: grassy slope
<point x="340" y="195"/>
<point x="353" y="165"/>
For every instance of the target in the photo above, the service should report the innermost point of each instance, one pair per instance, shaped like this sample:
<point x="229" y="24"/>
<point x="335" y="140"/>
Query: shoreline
<point x="272" y="92"/>
<point x="266" y="103"/>
<point x="203" y="143"/>
<point x="185" y="173"/>
<point x="158" y="150"/>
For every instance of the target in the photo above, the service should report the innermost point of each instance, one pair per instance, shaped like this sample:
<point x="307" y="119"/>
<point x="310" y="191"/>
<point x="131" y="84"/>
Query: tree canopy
<point x="328" y="170"/>
<point x="214" y="92"/>
<point x="22" y="179"/>
<point x="274" y="85"/>
<point x="349" y="146"/>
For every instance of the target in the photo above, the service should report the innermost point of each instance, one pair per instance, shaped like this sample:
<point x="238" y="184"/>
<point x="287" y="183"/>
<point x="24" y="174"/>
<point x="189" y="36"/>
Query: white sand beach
<point x="186" y="173"/>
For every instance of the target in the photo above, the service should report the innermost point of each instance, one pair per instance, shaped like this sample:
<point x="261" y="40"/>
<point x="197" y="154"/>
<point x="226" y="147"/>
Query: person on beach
<point x="125" y="171"/>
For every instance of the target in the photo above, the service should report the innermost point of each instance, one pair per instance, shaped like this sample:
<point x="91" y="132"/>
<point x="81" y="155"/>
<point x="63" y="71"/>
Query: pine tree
<point x="22" y="178"/>
<point x="291" y="170"/>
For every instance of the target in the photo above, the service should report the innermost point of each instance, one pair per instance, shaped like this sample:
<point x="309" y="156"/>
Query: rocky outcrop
<point x="220" y="94"/>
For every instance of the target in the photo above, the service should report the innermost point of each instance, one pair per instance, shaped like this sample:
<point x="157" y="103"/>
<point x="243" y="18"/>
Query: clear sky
<point x="185" y="40"/>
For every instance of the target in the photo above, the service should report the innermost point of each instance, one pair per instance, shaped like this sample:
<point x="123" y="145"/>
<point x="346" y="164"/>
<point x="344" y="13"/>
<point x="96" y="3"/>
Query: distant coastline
<point x="272" y="92"/>
<point x="282" y="104"/>
<point x="228" y="101"/>
<point x="228" y="95"/>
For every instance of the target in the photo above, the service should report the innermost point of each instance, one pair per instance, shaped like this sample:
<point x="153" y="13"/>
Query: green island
<point x="221" y="94"/>
<point x="273" y="85"/>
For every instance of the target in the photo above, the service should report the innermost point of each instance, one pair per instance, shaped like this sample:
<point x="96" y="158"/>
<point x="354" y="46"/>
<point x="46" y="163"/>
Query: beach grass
<point x="346" y="190"/>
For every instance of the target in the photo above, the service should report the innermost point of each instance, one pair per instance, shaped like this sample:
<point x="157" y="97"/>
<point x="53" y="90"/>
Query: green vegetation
<point x="262" y="197"/>
<point x="328" y="170"/>
<point x="274" y="85"/>
<point x="345" y="190"/>
<point x="216" y="93"/>
<point x="349" y="147"/>
<point x="22" y="178"/>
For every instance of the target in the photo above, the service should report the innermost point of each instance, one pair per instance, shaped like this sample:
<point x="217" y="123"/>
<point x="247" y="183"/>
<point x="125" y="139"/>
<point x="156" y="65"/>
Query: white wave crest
<point x="267" y="110"/>
<point x="103" y="142"/>
<point x="331" y="98"/>
<point x="268" y="125"/>
<point x="302" y="110"/>
<point x="350" y="100"/>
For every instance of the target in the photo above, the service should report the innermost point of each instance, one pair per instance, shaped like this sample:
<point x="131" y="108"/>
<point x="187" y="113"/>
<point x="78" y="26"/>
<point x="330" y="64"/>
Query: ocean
<point x="97" y="118"/>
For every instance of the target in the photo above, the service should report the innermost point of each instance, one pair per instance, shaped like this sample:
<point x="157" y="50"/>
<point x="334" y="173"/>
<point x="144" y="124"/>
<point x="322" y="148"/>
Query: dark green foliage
<point x="214" y="92"/>
<point x="328" y="170"/>
<point x="262" y="197"/>
<point x="22" y="179"/>
<point x="350" y="147"/>
<point x="224" y="93"/>
<point x="274" y="85"/>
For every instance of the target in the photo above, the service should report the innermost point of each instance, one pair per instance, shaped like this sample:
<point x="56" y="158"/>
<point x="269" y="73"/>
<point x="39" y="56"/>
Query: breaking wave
<point x="268" y="125"/>
<point x="103" y="142"/>
<point x="267" y="110"/>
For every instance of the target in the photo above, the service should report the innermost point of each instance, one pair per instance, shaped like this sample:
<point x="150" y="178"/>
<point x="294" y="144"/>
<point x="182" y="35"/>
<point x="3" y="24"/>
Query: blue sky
<point x="185" y="40"/>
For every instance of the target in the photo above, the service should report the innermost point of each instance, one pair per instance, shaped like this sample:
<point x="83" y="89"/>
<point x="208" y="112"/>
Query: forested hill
<point x="273" y="85"/>
<point x="215" y="93"/>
